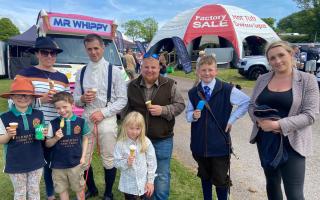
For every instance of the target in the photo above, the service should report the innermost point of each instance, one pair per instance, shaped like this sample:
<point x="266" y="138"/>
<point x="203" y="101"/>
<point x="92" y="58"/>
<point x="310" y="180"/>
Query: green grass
<point x="185" y="185"/>
<point x="4" y="87"/>
<point x="228" y="75"/>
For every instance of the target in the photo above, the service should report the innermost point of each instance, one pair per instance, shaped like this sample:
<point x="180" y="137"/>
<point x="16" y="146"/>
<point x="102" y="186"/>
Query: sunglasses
<point x="20" y="96"/>
<point x="147" y="55"/>
<point x="46" y="53"/>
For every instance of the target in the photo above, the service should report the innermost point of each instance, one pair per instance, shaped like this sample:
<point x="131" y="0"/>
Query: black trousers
<point x="292" y="173"/>
<point x="134" y="197"/>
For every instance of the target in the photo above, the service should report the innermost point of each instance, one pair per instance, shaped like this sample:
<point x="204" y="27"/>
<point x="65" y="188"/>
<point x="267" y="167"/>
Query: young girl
<point x="135" y="157"/>
<point x="24" y="158"/>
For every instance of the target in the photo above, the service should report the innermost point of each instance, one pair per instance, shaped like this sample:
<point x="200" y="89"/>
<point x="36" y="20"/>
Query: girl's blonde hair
<point x="136" y="119"/>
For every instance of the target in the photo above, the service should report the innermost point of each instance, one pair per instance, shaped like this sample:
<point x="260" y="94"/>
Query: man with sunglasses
<point x="46" y="81"/>
<point x="159" y="101"/>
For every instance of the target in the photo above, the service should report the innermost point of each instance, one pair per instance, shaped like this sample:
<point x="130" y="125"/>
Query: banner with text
<point x="182" y="54"/>
<point x="79" y="24"/>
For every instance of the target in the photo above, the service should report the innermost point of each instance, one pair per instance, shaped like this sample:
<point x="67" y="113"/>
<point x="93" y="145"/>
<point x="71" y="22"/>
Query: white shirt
<point x="134" y="178"/>
<point x="96" y="76"/>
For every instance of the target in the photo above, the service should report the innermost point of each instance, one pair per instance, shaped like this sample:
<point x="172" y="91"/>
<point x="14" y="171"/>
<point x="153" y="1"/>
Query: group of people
<point x="282" y="107"/>
<point x="306" y="58"/>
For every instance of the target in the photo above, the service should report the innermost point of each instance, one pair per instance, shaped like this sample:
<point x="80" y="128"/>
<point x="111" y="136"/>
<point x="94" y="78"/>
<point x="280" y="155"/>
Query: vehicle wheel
<point x="255" y="71"/>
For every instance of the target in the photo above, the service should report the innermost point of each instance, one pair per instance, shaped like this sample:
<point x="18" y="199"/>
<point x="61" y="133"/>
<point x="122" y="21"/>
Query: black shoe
<point x="108" y="197"/>
<point x="91" y="194"/>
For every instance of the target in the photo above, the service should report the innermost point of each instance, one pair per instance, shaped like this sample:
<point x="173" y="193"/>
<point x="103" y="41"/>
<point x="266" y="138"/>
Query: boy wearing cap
<point x="210" y="126"/>
<point x="24" y="159"/>
<point x="68" y="137"/>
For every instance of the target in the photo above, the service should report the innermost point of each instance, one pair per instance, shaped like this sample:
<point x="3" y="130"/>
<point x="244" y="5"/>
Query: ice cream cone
<point x="132" y="150"/>
<point x="93" y="90"/>
<point x="13" y="125"/>
<point x="51" y="84"/>
<point x="148" y="103"/>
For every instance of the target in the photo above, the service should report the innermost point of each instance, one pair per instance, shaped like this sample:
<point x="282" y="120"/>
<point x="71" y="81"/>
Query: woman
<point x="46" y="81"/>
<point x="295" y="95"/>
<point x="163" y="65"/>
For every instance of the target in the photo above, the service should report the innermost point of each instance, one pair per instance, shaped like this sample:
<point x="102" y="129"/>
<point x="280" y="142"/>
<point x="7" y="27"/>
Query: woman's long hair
<point x="134" y="119"/>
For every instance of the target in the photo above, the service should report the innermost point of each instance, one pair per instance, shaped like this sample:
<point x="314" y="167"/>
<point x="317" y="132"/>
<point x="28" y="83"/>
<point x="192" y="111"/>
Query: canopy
<point x="27" y="38"/>
<point x="230" y="22"/>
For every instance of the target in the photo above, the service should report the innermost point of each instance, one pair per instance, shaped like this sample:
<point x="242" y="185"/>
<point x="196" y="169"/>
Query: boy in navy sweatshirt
<point x="67" y="135"/>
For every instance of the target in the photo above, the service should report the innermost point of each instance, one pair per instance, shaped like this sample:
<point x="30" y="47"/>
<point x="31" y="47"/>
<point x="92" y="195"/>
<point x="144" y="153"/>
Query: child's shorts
<point x="65" y="178"/>
<point x="214" y="169"/>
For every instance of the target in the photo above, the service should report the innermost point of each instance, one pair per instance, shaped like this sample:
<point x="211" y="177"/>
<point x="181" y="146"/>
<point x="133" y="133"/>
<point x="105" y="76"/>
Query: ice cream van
<point x="68" y="30"/>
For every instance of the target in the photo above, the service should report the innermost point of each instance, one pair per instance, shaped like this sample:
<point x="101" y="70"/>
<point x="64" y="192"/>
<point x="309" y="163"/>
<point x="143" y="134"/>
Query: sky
<point x="24" y="13"/>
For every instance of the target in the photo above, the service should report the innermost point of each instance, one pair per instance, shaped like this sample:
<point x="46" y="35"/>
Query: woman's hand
<point x="269" y="125"/>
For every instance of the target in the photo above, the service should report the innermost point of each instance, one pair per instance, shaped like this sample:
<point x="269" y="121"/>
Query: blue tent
<point x="26" y="39"/>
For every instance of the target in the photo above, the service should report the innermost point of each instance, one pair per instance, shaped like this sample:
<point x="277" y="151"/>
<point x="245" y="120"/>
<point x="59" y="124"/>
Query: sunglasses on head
<point x="46" y="53"/>
<point x="147" y="55"/>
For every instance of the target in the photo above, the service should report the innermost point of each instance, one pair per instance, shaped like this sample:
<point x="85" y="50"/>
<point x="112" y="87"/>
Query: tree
<point x="314" y="7"/>
<point x="270" y="21"/>
<point x="144" y="29"/>
<point x="133" y="29"/>
<point x="305" y="4"/>
<point x="7" y="29"/>
<point x="149" y="28"/>
<point x="306" y="21"/>
<point x="298" y="22"/>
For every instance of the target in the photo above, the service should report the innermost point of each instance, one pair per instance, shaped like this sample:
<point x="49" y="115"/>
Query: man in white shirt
<point x="98" y="111"/>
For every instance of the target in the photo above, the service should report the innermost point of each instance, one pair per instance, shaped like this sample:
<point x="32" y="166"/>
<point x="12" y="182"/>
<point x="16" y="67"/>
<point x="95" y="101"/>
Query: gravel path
<point x="246" y="172"/>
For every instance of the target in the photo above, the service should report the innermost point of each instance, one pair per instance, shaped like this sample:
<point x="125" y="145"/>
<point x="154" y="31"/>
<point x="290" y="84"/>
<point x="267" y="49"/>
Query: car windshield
<point x="74" y="51"/>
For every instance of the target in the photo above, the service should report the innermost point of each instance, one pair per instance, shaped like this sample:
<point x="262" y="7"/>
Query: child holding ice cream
<point x="24" y="159"/>
<point x="135" y="157"/>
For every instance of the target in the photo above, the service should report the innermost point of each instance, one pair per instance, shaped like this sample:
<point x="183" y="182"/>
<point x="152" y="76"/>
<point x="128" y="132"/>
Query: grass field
<point x="228" y="75"/>
<point x="184" y="183"/>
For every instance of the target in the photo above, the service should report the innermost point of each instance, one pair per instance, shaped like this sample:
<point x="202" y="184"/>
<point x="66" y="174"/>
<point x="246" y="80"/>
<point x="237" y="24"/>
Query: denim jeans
<point x="163" y="149"/>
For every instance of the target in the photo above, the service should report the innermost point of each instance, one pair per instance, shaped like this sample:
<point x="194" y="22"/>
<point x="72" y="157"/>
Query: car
<point x="253" y="66"/>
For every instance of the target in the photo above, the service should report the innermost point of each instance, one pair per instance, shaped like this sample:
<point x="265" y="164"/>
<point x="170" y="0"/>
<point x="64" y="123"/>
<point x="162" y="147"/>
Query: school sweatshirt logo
<point x="77" y="129"/>
<point x="35" y="122"/>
